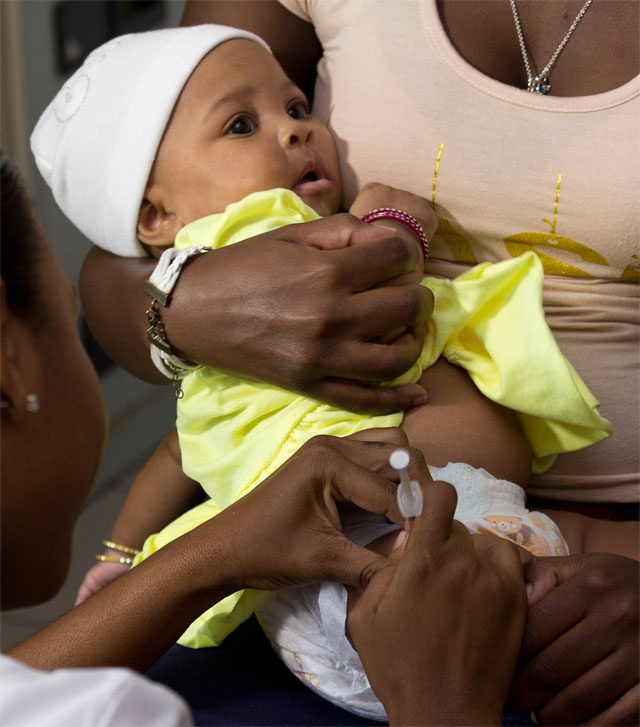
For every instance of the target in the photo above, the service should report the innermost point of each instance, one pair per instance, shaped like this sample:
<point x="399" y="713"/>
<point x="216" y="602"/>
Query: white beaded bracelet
<point x="159" y="288"/>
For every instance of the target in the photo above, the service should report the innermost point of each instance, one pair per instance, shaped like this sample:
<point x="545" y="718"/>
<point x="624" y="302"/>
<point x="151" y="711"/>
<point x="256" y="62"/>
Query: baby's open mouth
<point x="313" y="181"/>
<point x="309" y="177"/>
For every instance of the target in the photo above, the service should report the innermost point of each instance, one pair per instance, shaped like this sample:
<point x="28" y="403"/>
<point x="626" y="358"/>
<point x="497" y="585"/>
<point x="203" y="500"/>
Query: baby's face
<point x="241" y="126"/>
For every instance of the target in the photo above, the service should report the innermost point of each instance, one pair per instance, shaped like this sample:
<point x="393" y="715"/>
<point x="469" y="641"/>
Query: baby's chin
<point x="325" y="202"/>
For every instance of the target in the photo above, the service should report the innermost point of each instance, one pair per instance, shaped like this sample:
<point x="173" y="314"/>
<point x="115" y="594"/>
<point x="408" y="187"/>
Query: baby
<point x="195" y="138"/>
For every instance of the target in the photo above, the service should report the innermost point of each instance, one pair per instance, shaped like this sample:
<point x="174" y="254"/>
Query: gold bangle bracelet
<point x="125" y="559"/>
<point x="120" y="548"/>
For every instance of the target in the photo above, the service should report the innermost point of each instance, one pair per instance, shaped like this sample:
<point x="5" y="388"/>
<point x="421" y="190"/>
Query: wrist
<point x="159" y="287"/>
<point x="422" y="702"/>
<point x="409" y="222"/>
<point x="401" y="229"/>
<point x="116" y="552"/>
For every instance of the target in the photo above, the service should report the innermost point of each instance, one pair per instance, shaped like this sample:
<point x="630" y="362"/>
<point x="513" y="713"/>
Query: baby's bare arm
<point x="160" y="493"/>
<point x="459" y="424"/>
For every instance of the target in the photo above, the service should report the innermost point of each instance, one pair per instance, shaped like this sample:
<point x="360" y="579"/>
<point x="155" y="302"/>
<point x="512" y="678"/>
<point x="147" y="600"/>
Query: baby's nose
<point x="296" y="132"/>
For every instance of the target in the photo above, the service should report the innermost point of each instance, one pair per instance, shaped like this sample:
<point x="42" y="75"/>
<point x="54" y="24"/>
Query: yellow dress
<point x="235" y="432"/>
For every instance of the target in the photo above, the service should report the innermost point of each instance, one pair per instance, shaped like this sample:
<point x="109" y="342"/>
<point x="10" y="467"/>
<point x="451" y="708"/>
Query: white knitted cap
<point x="96" y="141"/>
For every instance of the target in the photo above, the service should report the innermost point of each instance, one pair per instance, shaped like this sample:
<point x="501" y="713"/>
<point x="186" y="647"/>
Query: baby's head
<point x="158" y="129"/>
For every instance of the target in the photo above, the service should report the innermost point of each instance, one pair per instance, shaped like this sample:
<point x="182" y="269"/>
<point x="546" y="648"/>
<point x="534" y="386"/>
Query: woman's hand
<point x="439" y="627"/>
<point x="276" y="309"/>
<point x="579" y="661"/>
<point x="287" y="531"/>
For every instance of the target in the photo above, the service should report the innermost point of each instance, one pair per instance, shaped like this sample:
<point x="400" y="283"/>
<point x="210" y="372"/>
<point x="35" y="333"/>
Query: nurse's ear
<point x="19" y="363"/>
<point x="157" y="226"/>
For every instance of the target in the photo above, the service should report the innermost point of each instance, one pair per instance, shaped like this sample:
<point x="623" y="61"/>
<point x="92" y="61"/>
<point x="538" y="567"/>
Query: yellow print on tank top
<point x="540" y="242"/>
<point x="460" y="247"/>
<point x="521" y="242"/>
<point x="632" y="271"/>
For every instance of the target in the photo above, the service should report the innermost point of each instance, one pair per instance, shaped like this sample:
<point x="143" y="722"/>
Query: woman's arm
<point x="292" y="40"/>
<point x="285" y="532"/>
<point x="580" y="653"/>
<point x="592" y="535"/>
<point x="117" y="320"/>
<point x="304" y="319"/>
<point x="434" y="665"/>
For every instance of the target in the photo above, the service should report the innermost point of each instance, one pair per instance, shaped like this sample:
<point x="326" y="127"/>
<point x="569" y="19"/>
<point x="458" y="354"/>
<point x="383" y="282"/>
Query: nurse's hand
<point x="439" y="628"/>
<point x="277" y="309"/>
<point x="287" y="531"/>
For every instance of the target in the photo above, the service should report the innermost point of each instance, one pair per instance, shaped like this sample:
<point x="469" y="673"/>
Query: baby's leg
<point x="459" y="424"/>
<point x="307" y="628"/>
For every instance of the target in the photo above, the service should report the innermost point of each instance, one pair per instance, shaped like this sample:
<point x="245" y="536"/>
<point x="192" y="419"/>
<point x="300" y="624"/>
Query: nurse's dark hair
<point x="20" y="245"/>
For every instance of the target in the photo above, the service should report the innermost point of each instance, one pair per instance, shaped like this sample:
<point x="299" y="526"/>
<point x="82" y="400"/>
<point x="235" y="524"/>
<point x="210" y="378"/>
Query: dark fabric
<point x="619" y="511"/>
<point x="243" y="682"/>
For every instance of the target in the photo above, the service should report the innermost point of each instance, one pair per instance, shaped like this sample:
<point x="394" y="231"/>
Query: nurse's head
<point x="51" y="417"/>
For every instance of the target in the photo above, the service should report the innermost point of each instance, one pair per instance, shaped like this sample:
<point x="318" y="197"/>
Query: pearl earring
<point x="33" y="403"/>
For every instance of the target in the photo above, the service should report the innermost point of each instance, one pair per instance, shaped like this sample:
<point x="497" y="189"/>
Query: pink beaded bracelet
<point x="390" y="213"/>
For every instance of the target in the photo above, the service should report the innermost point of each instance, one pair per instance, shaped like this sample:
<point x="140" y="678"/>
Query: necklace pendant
<point x="538" y="84"/>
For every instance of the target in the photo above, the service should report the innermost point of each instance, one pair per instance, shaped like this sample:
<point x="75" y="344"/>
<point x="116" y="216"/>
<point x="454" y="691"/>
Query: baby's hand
<point x="374" y="195"/>
<point x="98" y="577"/>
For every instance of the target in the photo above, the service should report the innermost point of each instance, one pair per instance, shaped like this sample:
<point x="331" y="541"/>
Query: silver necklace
<point x="539" y="82"/>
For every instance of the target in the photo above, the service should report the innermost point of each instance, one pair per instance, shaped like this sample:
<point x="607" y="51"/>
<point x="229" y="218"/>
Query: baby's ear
<point x="157" y="226"/>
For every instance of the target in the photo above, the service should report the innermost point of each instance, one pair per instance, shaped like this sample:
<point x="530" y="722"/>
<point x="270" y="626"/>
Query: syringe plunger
<point x="409" y="494"/>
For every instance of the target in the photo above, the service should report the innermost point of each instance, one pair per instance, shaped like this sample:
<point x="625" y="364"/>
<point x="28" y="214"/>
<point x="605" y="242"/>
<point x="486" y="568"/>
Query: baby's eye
<point x="298" y="110"/>
<point x="241" y="125"/>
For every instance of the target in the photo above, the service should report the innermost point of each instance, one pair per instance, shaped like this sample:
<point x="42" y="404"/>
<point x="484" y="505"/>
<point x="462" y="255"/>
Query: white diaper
<point x="306" y="626"/>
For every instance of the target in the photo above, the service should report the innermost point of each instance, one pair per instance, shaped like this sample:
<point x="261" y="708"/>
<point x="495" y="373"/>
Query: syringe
<point x="409" y="493"/>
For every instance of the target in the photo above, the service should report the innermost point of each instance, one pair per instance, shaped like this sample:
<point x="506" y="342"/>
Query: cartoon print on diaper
<point x="299" y="670"/>
<point x="511" y="527"/>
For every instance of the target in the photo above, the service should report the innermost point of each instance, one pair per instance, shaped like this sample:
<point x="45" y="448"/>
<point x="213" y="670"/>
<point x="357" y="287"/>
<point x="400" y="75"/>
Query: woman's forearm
<point x="305" y="319"/>
<point x="292" y="40"/>
<point x="137" y="617"/>
<point x="283" y="533"/>
<point x="114" y="304"/>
